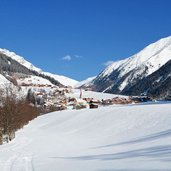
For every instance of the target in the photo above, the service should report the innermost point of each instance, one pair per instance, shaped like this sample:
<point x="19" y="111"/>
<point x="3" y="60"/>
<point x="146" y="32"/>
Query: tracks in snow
<point x="20" y="162"/>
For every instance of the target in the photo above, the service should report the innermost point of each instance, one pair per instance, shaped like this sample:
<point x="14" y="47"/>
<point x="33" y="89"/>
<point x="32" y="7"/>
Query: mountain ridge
<point x="127" y="72"/>
<point x="66" y="81"/>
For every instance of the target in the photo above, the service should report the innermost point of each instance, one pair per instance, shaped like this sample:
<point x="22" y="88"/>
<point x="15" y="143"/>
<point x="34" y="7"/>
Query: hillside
<point x="62" y="79"/>
<point x="121" y="75"/>
<point x="115" y="138"/>
<point x="85" y="82"/>
<point x="29" y="68"/>
<point x="157" y="84"/>
<point x="13" y="70"/>
<point x="3" y="80"/>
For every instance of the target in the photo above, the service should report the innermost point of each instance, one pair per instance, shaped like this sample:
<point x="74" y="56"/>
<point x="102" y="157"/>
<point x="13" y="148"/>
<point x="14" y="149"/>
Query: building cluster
<point x="55" y="99"/>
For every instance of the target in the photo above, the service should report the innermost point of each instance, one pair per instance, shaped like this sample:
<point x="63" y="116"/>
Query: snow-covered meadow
<point x="114" y="138"/>
<point x="92" y="94"/>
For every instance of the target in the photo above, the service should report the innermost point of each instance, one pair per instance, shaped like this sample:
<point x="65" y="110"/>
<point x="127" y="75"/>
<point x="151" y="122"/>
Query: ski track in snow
<point x="16" y="146"/>
<point x="20" y="162"/>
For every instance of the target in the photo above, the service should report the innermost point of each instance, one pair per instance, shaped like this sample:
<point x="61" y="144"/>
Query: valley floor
<point x="114" y="138"/>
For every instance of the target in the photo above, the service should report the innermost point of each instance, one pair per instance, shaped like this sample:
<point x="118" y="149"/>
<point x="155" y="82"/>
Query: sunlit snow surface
<point x="92" y="94"/>
<point x="3" y="80"/>
<point x="114" y="138"/>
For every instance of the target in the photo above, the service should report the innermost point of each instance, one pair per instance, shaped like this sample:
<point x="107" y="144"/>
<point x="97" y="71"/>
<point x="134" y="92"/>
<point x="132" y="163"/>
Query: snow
<point x="6" y="84"/>
<point x="62" y="79"/>
<point x="85" y="82"/>
<point x="91" y="94"/>
<point x="34" y="80"/>
<point x="3" y="80"/>
<point x="124" y="84"/>
<point x="153" y="56"/>
<point x="19" y="59"/>
<point x="115" y="138"/>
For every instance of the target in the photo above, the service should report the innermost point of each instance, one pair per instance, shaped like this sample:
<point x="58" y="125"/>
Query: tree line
<point x="10" y="66"/>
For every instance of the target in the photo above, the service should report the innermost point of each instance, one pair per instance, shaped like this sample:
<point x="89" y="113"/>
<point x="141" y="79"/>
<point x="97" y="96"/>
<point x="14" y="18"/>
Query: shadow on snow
<point x="155" y="136"/>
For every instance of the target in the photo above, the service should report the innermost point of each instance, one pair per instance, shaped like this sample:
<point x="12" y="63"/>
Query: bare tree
<point x="14" y="113"/>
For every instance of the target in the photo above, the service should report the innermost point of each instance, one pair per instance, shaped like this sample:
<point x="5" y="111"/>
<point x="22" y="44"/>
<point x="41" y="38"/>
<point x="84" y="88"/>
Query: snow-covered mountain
<point x="61" y="79"/>
<point x="85" y="82"/>
<point x="19" y="59"/>
<point x="157" y="84"/>
<point x="121" y="75"/>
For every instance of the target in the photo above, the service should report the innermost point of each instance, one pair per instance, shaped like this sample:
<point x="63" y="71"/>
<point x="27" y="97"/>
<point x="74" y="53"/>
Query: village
<point x="52" y="98"/>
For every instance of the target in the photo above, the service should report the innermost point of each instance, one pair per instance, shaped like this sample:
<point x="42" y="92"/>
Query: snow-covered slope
<point x="156" y="85"/>
<point x="19" y="59"/>
<point x="62" y="79"/>
<point x="115" y="138"/>
<point x="3" y="80"/>
<point x="142" y="64"/>
<point x="6" y="84"/>
<point x="85" y="82"/>
<point x="91" y="94"/>
<point x="153" y="56"/>
<point x="34" y="80"/>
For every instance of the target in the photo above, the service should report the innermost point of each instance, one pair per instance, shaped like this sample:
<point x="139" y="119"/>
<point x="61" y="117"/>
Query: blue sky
<point x="77" y="38"/>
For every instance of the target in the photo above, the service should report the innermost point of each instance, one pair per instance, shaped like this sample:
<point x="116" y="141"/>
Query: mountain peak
<point x="20" y="59"/>
<point x="117" y="76"/>
<point x="158" y="52"/>
<point x="62" y="79"/>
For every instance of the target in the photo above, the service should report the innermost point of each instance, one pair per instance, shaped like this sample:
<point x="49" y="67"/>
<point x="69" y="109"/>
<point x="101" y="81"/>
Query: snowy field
<point x="114" y="138"/>
<point x="92" y="94"/>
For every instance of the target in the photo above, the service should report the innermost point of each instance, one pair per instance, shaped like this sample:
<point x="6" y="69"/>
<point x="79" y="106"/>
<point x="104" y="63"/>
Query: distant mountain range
<point x="13" y="63"/>
<point x="148" y="71"/>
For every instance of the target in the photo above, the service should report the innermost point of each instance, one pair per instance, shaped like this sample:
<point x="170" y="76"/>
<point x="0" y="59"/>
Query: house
<point x="139" y="99"/>
<point x="80" y="104"/>
<point x="93" y="106"/>
<point x="87" y="99"/>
